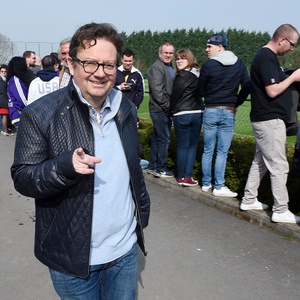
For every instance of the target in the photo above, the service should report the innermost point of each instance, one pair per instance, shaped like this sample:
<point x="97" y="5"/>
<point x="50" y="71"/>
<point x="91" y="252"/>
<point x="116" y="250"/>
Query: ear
<point x="70" y="65"/>
<point x="280" y="40"/>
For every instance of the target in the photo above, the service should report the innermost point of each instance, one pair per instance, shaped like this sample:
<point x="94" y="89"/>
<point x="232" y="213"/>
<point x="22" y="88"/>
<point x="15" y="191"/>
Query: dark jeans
<point x="187" y="129"/>
<point x="160" y="141"/>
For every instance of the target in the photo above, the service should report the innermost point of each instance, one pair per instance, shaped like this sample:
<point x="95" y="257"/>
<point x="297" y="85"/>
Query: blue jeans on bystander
<point x="218" y="127"/>
<point x="187" y="130"/>
<point x="160" y="141"/>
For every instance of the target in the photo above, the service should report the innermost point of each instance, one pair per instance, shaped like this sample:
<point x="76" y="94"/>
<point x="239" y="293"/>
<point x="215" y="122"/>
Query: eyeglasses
<point x="168" y="53"/>
<point x="91" y="66"/>
<point x="291" y="44"/>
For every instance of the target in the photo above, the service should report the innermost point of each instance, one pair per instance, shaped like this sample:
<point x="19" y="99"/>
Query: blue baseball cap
<point x="218" y="39"/>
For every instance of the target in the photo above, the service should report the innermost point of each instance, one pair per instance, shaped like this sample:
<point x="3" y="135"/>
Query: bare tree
<point x="6" y="49"/>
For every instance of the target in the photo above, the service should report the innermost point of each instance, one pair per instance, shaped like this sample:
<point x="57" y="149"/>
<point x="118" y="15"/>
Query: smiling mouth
<point x="97" y="82"/>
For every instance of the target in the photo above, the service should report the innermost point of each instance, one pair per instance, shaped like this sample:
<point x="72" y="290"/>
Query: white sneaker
<point x="254" y="206"/>
<point x="5" y="133"/>
<point x="286" y="217"/>
<point x="150" y="171"/>
<point x="206" y="188"/>
<point x="224" y="192"/>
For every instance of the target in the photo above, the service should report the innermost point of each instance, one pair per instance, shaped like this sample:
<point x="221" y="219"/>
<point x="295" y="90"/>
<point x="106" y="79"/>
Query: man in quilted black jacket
<point x="77" y="154"/>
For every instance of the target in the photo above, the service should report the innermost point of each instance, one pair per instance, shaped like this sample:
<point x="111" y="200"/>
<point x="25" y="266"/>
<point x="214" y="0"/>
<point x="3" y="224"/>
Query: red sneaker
<point x="189" y="182"/>
<point x="180" y="181"/>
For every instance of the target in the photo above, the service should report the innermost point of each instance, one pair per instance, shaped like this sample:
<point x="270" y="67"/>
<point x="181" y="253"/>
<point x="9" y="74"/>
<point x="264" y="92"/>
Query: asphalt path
<point x="194" y="251"/>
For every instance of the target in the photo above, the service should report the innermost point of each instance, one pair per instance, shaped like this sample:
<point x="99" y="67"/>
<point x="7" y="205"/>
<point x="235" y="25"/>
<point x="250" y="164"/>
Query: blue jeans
<point x="144" y="164"/>
<point x="115" y="280"/>
<point x="160" y="141"/>
<point x="187" y="130"/>
<point x="218" y="124"/>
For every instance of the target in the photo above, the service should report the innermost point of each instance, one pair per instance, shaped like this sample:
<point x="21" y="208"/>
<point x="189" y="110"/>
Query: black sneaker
<point x="166" y="174"/>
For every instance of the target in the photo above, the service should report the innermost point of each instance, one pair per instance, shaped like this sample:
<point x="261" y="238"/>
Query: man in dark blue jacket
<point x="219" y="82"/>
<point x="130" y="80"/>
<point x="91" y="203"/>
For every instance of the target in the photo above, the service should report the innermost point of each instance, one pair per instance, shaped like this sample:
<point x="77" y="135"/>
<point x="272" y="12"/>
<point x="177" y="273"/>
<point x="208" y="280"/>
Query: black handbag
<point x="3" y="94"/>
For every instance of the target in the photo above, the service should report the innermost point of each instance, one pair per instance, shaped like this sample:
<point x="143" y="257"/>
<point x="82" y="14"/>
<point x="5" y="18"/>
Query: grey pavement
<point x="199" y="247"/>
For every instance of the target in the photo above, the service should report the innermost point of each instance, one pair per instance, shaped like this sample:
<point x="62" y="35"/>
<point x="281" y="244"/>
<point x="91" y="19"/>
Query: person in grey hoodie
<point x="219" y="81"/>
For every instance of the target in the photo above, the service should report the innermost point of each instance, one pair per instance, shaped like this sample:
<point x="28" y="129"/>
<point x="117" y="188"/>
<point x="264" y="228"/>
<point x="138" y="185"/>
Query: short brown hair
<point x="188" y="54"/>
<point x="284" y="30"/>
<point x="86" y="36"/>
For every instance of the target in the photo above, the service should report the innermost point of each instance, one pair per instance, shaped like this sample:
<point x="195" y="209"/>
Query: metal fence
<point x="11" y="49"/>
<point x="39" y="48"/>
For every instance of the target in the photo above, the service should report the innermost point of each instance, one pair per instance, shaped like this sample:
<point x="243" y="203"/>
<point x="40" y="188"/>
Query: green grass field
<point x="242" y="125"/>
<point x="242" y="120"/>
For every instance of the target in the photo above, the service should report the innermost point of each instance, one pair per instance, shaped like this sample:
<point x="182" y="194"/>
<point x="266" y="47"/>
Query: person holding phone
<point x="130" y="80"/>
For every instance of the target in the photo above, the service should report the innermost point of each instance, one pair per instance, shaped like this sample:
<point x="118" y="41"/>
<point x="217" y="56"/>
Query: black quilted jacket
<point x="50" y="130"/>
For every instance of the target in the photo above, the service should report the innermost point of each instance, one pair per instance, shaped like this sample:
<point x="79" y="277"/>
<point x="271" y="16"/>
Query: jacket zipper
<point x="42" y="242"/>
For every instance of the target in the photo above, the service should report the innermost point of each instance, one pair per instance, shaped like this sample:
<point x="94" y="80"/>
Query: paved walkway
<point x="230" y="206"/>
<point x="195" y="251"/>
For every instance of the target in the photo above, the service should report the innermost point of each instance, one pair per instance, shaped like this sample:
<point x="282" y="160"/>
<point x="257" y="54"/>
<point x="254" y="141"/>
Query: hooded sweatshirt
<point x="47" y="81"/>
<point x="220" y="78"/>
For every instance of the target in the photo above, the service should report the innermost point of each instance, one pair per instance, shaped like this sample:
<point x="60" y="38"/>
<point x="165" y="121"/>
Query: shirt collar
<point x="97" y="117"/>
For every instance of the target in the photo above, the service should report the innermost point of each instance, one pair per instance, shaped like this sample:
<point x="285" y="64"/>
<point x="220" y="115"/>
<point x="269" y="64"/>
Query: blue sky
<point x="51" y="21"/>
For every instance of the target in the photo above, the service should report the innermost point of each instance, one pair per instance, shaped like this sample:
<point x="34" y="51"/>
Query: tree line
<point x="145" y="45"/>
<point x="243" y="43"/>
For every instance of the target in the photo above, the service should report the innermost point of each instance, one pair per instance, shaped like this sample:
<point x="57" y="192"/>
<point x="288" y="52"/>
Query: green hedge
<point x="239" y="160"/>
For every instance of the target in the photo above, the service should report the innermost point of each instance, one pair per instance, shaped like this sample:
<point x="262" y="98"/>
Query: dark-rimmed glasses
<point x="91" y="66"/>
<point x="291" y="44"/>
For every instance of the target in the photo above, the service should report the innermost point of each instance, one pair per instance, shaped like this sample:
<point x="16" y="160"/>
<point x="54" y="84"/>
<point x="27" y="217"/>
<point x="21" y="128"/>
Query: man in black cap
<point x="219" y="81"/>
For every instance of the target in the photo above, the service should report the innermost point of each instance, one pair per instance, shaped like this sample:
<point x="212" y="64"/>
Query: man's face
<point x="64" y="52"/>
<point x="95" y="87"/>
<point x="31" y="60"/>
<point x="127" y="62"/>
<point x="287" y="45"/>
<point x="212" y="49"/>
<point x="166" y="54"/>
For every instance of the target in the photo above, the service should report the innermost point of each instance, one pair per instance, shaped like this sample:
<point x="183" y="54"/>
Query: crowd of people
<point x="25" y="79"/>
<point x="191" y="96"/>
<point x="70" y="143"/>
